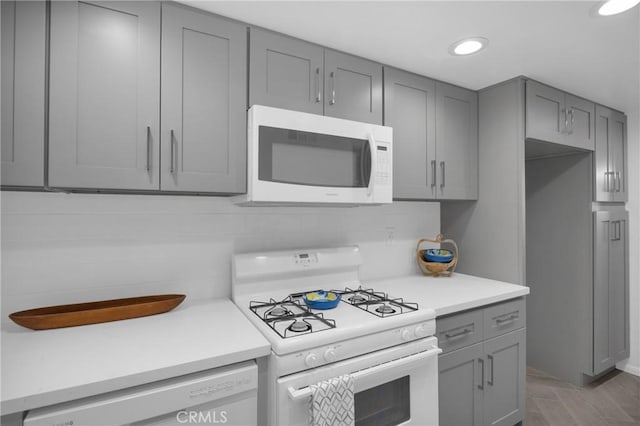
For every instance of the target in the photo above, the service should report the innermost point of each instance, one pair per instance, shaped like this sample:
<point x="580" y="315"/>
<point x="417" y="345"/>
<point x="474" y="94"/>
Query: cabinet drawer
<point x="504" y="317"/>
<point x="459" y="330"/>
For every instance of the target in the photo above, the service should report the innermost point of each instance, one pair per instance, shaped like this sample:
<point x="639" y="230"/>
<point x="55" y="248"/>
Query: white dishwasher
<point x="226" y="395"/>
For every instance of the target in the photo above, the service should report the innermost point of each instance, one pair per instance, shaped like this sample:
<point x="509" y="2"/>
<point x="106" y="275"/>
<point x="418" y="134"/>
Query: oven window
<point x="384" y="405"/>
<point x="305" y="158"/>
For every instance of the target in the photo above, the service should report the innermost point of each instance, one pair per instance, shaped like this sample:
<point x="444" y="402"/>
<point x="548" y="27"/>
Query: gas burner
<point x="385" y="310"/>
<point x="278" y="311"/>
<point x="357" y="299"/>
<point x="290" y="317"/>
<point x="376" y="303"/>
<point x="299" y="326"/>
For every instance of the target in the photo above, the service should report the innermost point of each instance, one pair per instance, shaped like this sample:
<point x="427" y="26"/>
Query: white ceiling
<point x="557" y="42"/>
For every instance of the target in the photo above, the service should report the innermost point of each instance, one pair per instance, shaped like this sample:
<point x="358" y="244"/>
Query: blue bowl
<point x="321" y="299"/>
<point x="438" y="255"/>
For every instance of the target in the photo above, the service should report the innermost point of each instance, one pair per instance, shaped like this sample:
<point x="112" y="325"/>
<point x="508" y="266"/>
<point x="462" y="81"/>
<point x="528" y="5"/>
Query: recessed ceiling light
<point x="469" y="46"/>
<point x="613" y="7"/>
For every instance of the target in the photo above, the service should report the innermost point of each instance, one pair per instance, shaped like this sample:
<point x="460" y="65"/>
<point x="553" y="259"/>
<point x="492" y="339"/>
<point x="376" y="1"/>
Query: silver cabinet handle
<point x="172" y="166"/>
<point x="333" y="88"/>
<point x="148" y="148"/>
<point x="511" y="317"/>
<point x="318" y="91"/>
<point x="442" y="172"/>
<point x="460" y="333"/>
<point x="481" y="385"/>
<point x="618" y="185"/>
<point x="433" y="173"/>
<point x="566" y="120"/>
<point x="571" y="122"/>
<point x="608" y="181"/>
<point x="617" y="230"/>
<point x="490" y="381"/>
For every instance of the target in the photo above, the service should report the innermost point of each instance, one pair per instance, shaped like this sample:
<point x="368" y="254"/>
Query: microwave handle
<point x="372" y="148"/>
<point x="305" y="392"/>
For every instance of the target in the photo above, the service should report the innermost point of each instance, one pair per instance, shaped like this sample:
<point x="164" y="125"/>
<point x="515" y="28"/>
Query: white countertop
<point x="46" y="367"/>
<point x="447" y="295"/>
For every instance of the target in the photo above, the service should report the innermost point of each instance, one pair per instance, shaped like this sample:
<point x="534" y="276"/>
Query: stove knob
<point x="330" y="355"/>
<point x="405" y="334"/>
<point x="311" y="360"/>
<point x="421" y="331"/>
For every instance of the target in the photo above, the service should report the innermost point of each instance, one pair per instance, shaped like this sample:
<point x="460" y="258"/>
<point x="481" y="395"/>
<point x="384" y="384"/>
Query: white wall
<point x="67" y="248"/>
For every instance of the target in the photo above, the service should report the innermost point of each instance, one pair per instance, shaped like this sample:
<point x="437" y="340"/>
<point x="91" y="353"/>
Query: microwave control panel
<point x="383" y="163"/>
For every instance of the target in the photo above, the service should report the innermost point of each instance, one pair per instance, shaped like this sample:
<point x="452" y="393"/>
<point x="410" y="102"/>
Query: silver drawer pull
<point x="460" y="333"/>
<point x="507" y="319"/>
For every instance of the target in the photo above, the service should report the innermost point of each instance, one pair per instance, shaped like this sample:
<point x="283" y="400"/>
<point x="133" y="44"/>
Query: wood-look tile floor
<point x="611" y="400"/>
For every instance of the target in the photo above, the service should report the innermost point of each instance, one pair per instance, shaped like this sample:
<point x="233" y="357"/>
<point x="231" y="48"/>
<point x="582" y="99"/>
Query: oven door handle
<point x="372" y="176"/>
<point x="305" y="392"/>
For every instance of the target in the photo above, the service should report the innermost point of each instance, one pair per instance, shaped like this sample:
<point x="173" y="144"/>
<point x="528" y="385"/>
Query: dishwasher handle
<point x="305" y="392"/>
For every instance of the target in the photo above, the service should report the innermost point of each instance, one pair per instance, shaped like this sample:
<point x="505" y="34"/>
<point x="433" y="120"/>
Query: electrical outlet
<point x="390" y="236"/>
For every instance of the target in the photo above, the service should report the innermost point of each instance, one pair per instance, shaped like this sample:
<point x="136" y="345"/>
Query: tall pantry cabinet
<point x="554" y="163"/>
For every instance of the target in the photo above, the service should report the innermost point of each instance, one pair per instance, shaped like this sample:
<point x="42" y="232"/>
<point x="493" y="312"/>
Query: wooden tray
<point x="96" y="312"/>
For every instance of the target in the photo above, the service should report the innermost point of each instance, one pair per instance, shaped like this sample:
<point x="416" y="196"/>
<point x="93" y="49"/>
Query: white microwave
<point x="300" y="158"/>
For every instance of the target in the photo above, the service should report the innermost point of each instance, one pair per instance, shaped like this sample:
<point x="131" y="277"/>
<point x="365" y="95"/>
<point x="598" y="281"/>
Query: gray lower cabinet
<point x="285" y="72"/>
<point x="461" y="383"/>
<point x="23" y="93"/>
<point x="104" y="98"/>
<point x="610" y="183"/>
<point x="352" y="88"/>
<point x="610" y="290"/>
<point x="456" y="168"/>
<point x="409" y="106"/>
<point x="482" y="369"/>
<point x="203" y="108"/>
<point x="558" y="117"/>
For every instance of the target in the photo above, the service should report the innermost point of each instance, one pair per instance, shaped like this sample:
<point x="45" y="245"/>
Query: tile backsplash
<point x="62" y="248"/>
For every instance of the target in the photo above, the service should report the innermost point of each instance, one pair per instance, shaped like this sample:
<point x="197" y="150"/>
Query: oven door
<point x="395" y="386"/>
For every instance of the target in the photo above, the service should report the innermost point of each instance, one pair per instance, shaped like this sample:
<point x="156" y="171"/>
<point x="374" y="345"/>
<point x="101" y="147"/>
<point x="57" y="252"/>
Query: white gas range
<point x="384" y="342"/>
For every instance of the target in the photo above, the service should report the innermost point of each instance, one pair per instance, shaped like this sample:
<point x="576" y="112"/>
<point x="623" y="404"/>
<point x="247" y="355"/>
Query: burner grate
<point x="290" y="318"/>
<point x="376" y="303"/>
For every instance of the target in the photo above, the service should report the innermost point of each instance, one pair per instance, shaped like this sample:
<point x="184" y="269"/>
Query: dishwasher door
<point x="226" y="395"/>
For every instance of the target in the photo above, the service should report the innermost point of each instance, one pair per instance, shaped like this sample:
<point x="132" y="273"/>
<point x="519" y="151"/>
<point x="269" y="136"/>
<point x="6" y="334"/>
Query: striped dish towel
<point x="332" y="402"/>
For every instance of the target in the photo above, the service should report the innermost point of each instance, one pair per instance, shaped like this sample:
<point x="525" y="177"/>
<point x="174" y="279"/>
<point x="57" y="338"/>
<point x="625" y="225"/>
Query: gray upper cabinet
<point x="203" y="102"/>
<point x="409" y="102"/>
<point x="610" y="162"/>
<point x="610" y="290"/>
<point x="352" y="88"/>
<point x="558" y="117"/>
<point x="285" y="72"/>
<point x="23" y="93"/>
<point x="456" y="143"/>
<point x="104" y="97"/>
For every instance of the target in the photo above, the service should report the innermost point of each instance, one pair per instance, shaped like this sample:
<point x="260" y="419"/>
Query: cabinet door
<point x="545" y="113"/>
<point x="460" y="385"/>
<point x="504" y="391"/>
<point x="409" y="105"/>
<point x="603" y="181"/>
<point x="610" y="291"/>
<point x="602" y="303"/>
<point x="104" y="95"/>
<point x="456" y="142"/>
<point x="285" y="72"/>
<point x="581" y="115"/>
<point x="617" y="154"/>
<point x="203" y="102"/>
<point x="23" y="82"/>
<point x="352" y="88"/>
